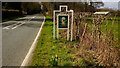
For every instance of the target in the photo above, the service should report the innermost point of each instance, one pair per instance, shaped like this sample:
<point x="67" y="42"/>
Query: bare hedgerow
<point x="95" y="46"/>
<point x="79" y="22"/>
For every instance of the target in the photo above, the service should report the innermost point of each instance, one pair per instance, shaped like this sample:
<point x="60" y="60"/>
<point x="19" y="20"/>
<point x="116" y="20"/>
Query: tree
<point x="76" y="6"/>
<point x="31" y="7"/>
<point x="12" y="5"/>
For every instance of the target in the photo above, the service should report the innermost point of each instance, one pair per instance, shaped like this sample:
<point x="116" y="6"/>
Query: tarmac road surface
<point x="17" y="38"/>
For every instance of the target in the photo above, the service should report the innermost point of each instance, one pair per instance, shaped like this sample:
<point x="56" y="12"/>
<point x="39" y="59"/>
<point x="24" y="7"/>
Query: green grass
<point x="106" y="26"/>
<point x="109" y="26"/>
<point x="47" y="47"/>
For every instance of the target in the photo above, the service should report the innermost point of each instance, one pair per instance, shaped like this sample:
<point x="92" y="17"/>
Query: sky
<point x="113" y="4"/>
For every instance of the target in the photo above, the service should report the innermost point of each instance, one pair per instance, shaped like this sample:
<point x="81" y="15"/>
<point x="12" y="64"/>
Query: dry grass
<point x="95" y="46"/>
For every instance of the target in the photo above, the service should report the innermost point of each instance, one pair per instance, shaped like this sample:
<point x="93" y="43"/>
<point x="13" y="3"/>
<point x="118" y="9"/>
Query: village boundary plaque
<point x="63" y="20"/>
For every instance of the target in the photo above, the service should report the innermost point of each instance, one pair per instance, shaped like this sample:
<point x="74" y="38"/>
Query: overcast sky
<point x="112" y="4"/>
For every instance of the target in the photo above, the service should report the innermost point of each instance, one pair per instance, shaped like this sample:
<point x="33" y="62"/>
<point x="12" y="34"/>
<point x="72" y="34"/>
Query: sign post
<point x="63" y="20"/>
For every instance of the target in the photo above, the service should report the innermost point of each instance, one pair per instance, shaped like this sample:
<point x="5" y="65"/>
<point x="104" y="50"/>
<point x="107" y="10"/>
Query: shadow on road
<point x="38" y="20"/>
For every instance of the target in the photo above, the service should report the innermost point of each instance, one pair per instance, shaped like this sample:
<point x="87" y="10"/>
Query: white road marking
<point x="34" y="17"/>
<point x="23" y="23"/>
<point x="32" y="48"/>
<point x="8" y="27"/>
<point x="31" y="18"/>
<point x="18" y="25"/>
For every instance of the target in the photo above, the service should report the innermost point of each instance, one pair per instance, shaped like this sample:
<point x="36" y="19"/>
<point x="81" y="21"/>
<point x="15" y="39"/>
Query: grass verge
<point x="48" y="48"/>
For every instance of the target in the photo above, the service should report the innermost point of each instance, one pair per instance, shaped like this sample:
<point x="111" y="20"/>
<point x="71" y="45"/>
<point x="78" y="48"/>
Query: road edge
<point x="32" y="48"/>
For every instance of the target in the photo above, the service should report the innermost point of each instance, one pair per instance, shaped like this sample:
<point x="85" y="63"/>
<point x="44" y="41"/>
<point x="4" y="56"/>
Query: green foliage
<point x="53" y="61"/>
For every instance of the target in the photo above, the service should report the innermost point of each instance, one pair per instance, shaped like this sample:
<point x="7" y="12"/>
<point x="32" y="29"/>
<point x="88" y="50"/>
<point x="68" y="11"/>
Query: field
<point x="51" y="52"/>
<point x="109" y="25"/>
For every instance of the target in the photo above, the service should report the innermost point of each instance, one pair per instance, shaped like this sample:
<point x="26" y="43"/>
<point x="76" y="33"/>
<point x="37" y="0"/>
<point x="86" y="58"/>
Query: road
<point x="17" y="38"/>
